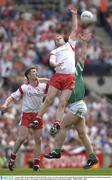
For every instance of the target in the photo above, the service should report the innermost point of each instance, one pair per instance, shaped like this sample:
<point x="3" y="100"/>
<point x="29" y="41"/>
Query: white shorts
<point x="78" y="108"/>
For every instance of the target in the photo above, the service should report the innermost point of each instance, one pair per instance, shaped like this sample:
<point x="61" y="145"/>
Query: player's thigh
<point x="52" y="92"/>
<point x="68" y="120"/>
<point x="80" y="125"/>
<point x="65" y="95"/>
<point x="79" y="109"/>
<point x="23" y="131"/>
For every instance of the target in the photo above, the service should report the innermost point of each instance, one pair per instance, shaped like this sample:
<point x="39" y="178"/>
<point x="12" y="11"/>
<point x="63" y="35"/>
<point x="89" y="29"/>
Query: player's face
<point x="59" y="40"/>
<point x="33" y="74"/>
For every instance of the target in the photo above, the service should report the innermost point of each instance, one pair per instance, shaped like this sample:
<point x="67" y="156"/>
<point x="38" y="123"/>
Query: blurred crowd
<point x="26" y="38"/>
<point x="106" y="19"/>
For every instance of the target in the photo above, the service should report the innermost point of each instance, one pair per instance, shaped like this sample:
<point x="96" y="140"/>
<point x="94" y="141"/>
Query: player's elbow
<point x="52" y="62"/>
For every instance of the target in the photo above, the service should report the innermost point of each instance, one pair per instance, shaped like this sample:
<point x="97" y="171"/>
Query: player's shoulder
<point x="57" y="49"/>
<point x="53" y="51"/>
<point x="72" y="41"/>
<point x="24" y="86"/>
<point x="79" y="66"/>
<point x="67" y="44"/>
<point x="42" y="85"/>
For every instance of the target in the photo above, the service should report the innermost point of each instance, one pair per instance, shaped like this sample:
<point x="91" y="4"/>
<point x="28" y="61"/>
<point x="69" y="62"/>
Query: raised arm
<point x="73" y="33"/>
<point x="85" y="37"/>
<point x="84" y="52"/>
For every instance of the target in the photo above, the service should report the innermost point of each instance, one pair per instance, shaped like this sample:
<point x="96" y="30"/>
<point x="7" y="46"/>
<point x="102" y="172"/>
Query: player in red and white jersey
<point x="32" y="95"/>
<point x="63" y="57"/>
<point x="63" y="60"/>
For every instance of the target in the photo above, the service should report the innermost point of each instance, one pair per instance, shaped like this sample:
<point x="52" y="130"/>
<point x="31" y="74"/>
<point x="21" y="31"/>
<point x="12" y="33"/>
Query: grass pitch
<point x="58" y="172"/>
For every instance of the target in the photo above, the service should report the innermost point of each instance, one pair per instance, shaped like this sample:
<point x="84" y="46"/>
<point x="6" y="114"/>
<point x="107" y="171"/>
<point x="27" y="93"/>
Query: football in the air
<point x="87" y="17"/>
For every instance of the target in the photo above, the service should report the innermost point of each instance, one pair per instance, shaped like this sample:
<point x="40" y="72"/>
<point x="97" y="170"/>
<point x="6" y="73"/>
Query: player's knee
<point x="38" y="140"/>
<point x="48" y="100"/>
<point x="21" y="139"/>
<point x="82" y="134"/>
<point x="62" y="102"/>
<point x="63" y="125"/>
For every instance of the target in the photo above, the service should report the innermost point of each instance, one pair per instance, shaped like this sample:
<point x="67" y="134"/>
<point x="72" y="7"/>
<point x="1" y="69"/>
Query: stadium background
<point x="27" y="29"/>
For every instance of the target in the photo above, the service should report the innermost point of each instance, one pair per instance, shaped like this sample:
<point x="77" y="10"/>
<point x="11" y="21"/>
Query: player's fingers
<point x="72" y="8"/>
<point x="60" y="64"/>
<point x="85" y="36"/>
<point x="2" y="108"/>
<point x="81" y="37"/>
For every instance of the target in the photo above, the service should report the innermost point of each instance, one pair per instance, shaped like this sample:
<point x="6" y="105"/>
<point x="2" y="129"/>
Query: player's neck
<point x="34" y="82"/>
<point x="59" y="45"/>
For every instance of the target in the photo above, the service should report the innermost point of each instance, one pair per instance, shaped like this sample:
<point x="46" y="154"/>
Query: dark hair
<point x="28" y="71"/>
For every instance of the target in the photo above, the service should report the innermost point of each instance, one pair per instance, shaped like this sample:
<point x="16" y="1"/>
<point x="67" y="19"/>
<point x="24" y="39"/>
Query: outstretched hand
<point x="85" y="36"/>
<point x="3" y="107"/>
<point x="59" y="64"/>
<point x="73" y="9"/>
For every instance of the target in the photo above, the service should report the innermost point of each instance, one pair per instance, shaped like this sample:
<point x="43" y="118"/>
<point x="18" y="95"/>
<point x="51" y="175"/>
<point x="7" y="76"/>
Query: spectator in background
<point x="104" y="6"/>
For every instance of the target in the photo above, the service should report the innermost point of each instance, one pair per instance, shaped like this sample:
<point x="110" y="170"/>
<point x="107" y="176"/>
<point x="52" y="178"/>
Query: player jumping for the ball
<point x="63" y="60"/>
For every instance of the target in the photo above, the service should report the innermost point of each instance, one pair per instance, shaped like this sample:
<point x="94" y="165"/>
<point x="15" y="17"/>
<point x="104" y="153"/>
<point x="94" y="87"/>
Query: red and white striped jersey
<point x="64" y="54"/>
<point x="31" y="96"/>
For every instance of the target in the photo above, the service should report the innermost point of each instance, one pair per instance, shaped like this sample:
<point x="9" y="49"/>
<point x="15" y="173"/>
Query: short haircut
<point x="28" y="71"/>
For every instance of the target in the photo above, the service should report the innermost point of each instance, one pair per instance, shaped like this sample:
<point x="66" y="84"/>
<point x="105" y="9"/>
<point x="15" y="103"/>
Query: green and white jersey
<point x="79" y="90"/>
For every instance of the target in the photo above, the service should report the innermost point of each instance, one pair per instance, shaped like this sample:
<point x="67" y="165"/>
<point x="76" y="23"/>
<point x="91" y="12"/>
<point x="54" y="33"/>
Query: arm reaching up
<point x="85" y="37"/>
<point x="73" y="34"/>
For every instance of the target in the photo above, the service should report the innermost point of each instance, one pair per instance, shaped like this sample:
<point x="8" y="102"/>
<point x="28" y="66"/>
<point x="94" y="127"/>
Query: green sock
<point x="57" y="151"/>
<point x="92" y="156"/>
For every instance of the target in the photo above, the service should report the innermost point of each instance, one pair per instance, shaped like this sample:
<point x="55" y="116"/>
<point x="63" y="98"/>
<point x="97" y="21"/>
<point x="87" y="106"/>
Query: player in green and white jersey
<point x="75" y="116"/>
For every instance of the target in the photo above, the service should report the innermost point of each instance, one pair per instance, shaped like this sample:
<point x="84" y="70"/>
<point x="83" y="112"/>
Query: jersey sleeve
<point x="72" y="43"/>
<point x="79" y="67"/>
<point x="52" y="59"/>
<point x="18" y="94"/>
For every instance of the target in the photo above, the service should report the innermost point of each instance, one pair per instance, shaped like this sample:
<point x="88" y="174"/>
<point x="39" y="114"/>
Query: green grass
<point x="58" y="171"/>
